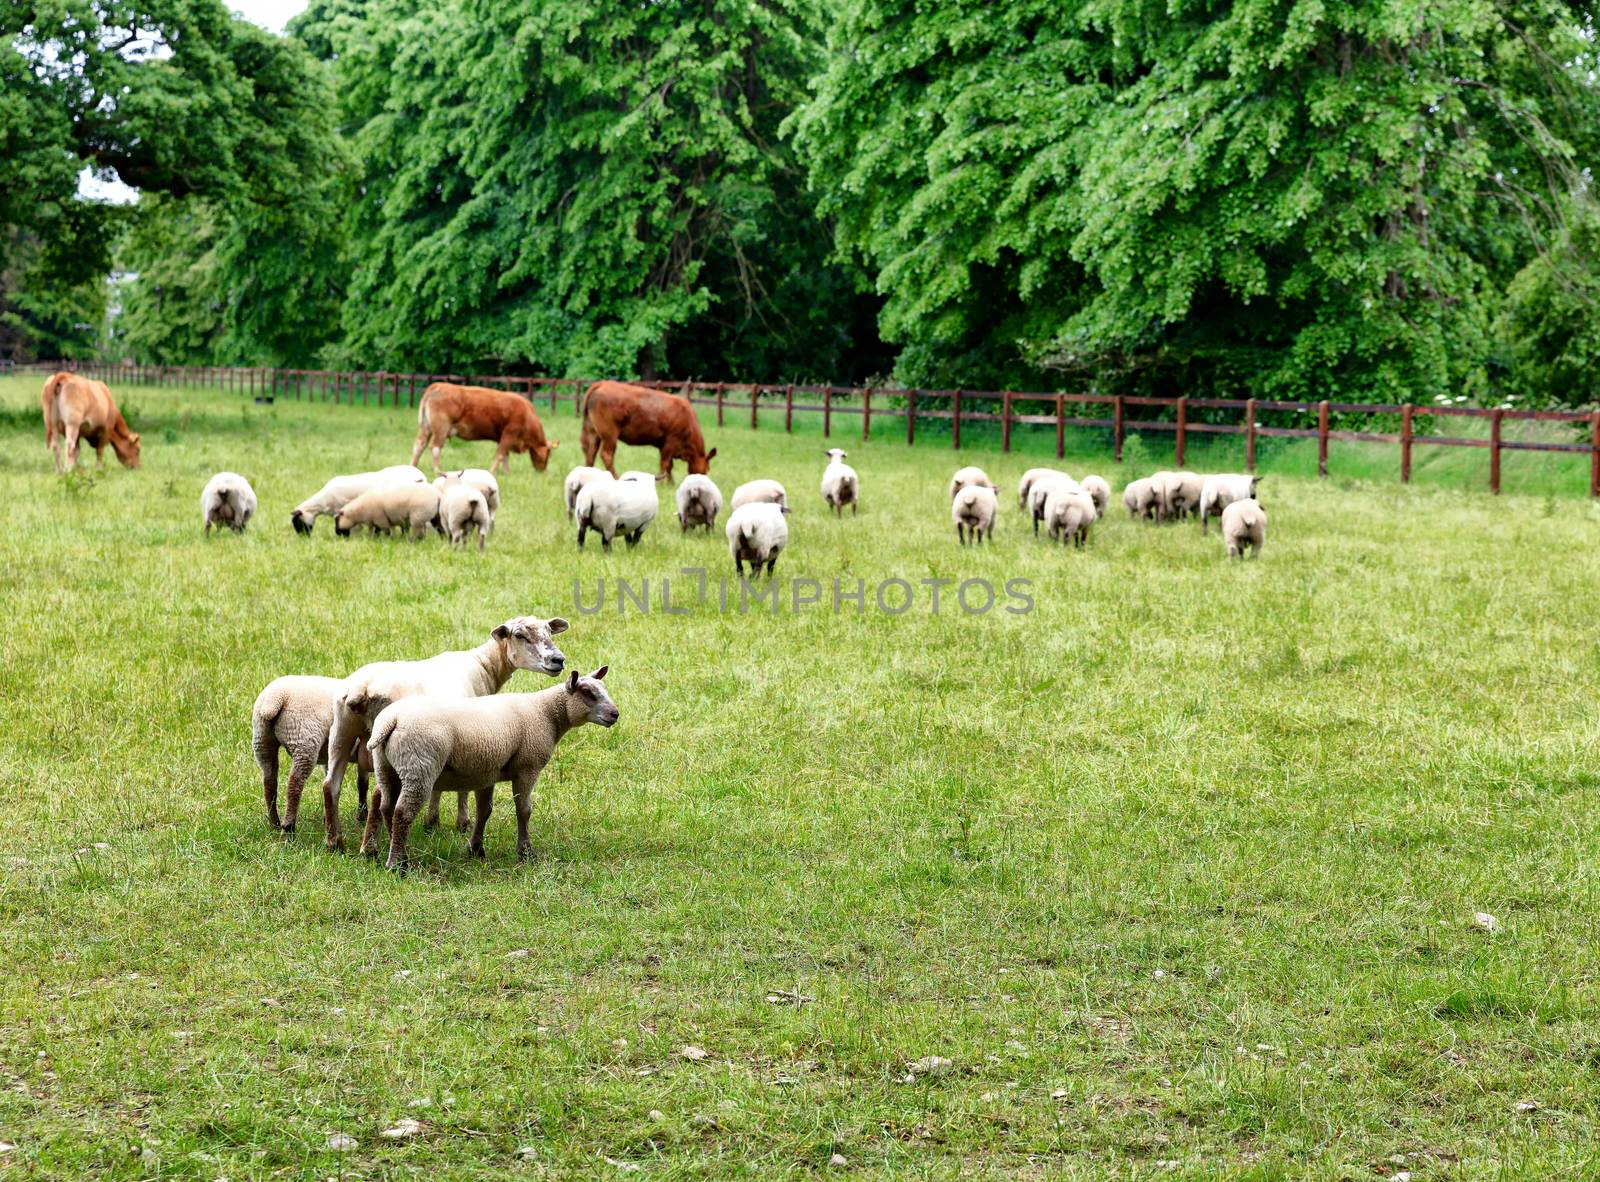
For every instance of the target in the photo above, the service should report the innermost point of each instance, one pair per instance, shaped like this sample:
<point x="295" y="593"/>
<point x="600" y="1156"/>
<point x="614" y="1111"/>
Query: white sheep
<point x="575" y="482"/>
<point x="479" y="478"/>
<point x="1068" y="514"/>
<point x="227" y="499"/>
<point x="971" y="477"/>
<point x="1244" y="524"/>
<point x="757" y="534"/>
<point x="757" y="492"/>
<point x="973" y="510"/>
<point x="1027" y="482"/>
<point x="296" y="714"/>
<point x="521" y="643"/>
<point x="699" y="502"/>
<point x="625" y="506"/>
<point x="421" y="747"/>
<point x="840" y="484"/>
<point x="1099" y="492"/>
<point x="1142" y="497"/>
<point x="1179" y="494"/>
<point x="1218" y="492"/>
<point x="1040" y="492"/>
<point x="412" y="508"/>
<point x="462" y="507"/>
<point x="341" y="490"/>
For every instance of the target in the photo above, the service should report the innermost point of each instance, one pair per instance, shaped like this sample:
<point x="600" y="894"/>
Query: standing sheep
<point x="462" y="507"/>
<point x="295" y="713"/>
<point x="1244" y="524"/>
<point x="699" y="502"/>
<point x="1099" y="492"/>
<point x="973" y="510"/>
<point x="840" y="484"/>
<point x="479" y="478"/>
<point x="423" y="746"/>
<point x="1142" y="498"/>
<point x="1027" y="482"/>
<point x="1039" y="494"/>
<point x="1068" y="514"/>
<point x="1179" y="494"/>
<point x="410" y="507"/>
<point x="757" y="491"/>
<point x="613" y="507"/>
<point x="227" y="500"/>
<point x="971" y="477"/>
<point x="575" y="482"/>
<point x="1218" y="492"/>
<point x="757" y="534"/>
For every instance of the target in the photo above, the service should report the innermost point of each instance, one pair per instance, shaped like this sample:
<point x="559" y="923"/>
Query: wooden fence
<point x="384" y="388"/>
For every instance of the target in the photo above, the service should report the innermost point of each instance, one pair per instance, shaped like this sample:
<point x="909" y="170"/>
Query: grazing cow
<point x="615" y="412"/>
<point x="476" y="412"/>
<point x="82" y="408"/>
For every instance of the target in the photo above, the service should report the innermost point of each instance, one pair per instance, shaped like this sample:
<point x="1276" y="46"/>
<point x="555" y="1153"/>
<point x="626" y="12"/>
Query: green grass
<point x="1178" y="868"/>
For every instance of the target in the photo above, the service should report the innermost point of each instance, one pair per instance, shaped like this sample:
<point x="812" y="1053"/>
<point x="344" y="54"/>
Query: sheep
<point x="1068" y="514"/>
<point x="341" y="490"/>
<point x="422" y="746"/>
<point x="479" y="478"/>
<point x="757" y="534"/>
<point x="1218" y="492"/>
<point x="460" y="508"/>
<point x="624" y="506"/>
<point x="295" y="713"/>
<point x="973" y="510"/>
<point x="1179" y="493"/>
<point x="1099" y="492"/>
<point x="969" y="477"/>
<point x="1027" y="482"/>
<point x="758" y="492"/>
<point x="840" y="484"/>
<point x="576" y="479"/>
<point x="642" y="476"/>
<point x="227" y="500"/>
<point x="699" y="502"/>
<point x="524" y="642"/>
<point x="1244" y="524"/>
<point x="1040" y="492"/>
<point x="413" y="507"/>
<point x="1142" y="498"/>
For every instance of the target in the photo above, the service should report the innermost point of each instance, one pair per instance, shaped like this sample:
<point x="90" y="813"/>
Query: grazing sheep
<point x="295" y="713"/>
<point x="840" y="484"/>
<point x="973" y="510"/>
<point x="757" y="534"/>
<point x="1039" y="494"/>
<point x="341" y="490"/>
<point x="1244" y="524"/>
<point x="524" y="642"/>
<point x="462" y="507"/>
<point x="757" y="492"/>
<point x="1179" y="492"/>
<point x="971" y="477"/>
<point x="227" y="500"/>
<point x="413" y="507"/>
<point x="1099" y="492"/>
<point x="643" y="477"/>
<point x="624" y="506"/>
<point x="479" y="478"/>
<point x="1068" y="514"/>
<point x="422" y="746"/>
<point x="1027" y="482"/>
<point x="575" y="482"/>
<point x="1218" y="492"/>
<point x="1142" y="498"/>
<point x="699" y="502"/>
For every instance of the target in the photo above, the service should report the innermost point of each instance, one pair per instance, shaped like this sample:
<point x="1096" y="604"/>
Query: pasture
<point x="1178" y="870"/>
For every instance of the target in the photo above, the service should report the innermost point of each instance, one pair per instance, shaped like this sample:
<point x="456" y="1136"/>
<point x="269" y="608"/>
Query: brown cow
<point x="616" y="412"/>
<point x="476" y="412"/>
<point x="82" y="408"/>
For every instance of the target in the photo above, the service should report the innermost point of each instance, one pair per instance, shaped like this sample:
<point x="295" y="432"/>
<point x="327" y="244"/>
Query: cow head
<point x="126" y="444"/>
<point x="539" y="453"/>
<point x="701" y="465"/>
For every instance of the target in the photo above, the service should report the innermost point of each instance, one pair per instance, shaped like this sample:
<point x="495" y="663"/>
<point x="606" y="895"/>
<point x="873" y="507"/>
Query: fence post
<point x="911" y="417"/>
<point x="252" y="384"/>
<point x="1250" y="435"/>
<point x="1495" y="417"/>
<point x="1594" y="454"/>
<point x="827" y="412"/>
<point x="866" y="414"/>
<point x="1183" y="422"/>
<point x="788" y="410"/>
<point x="1005" y="421"/>
<point x="755" y="394"/>
<point x="955" y="420"/>
<point x="719" y="403"/>
<point x="1405" y="444"/>
<point x="366" y="380"/>
<point x="1322" y="438"/>
<point x="1116" y="424"/>
<point x="1061" y="426"/>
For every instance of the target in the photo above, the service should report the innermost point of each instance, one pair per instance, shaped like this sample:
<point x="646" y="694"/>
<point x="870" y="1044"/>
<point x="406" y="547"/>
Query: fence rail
<point x="383" y="387"/>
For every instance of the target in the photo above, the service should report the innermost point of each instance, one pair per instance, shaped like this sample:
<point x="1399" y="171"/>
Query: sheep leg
<point x="383" y="796"/>
<point x="485" y="806"/>
<point x="522" y="793"/>
<point x="299" y="773"/>
<point x="363" y="769"/>
<point x="583" y="528"/>
<point x="267" y="757"/>
<point x="431" y="821"/>
<point x="961" y="535"/>
<point x="347" y="732"/>
<point x="413" y="797"/>
<point x="463" y="818"/>
<point x="771" y="562"/>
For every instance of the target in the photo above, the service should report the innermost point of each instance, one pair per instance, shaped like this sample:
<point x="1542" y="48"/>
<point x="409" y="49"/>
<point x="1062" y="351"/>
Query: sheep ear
<point x="572" y="682"/>
<point x="600" y="673"/>
<point x="501" y="632"/>
<point x="557" y="626"/>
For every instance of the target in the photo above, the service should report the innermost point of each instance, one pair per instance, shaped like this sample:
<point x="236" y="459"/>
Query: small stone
<point x="701" y="1121"/>
<point x="342" y="1142"/>
<point x="1059" y="1094"/>
<point x="1400" y="1176"/>
<point x="403" y="1128"/>
<point x="102" y="845"/>
<point x="1159" y="974"/>
<point x="420" y="1102"/>
<point x="627" y="1167"/>
<point x="515" y="954"/>
<point x="1527" y="1106"/>
<point x="402" y="974"/>
<point x="838" y="1161"/>
<point x="693" y="1053"/>
<point x="620" y="1043"/>
<point x="7" y="1146"/>
<point x="988" y="1098"/>
<point x="1485" y="922"/>
<point x="183" y="1034"/>
<point x="527" y="1152"/>
<point x="930" y="1065"/>
<point x="337" y="1010"/>
<point x="656" y="1115"/>
<point x="271" y="1001"/>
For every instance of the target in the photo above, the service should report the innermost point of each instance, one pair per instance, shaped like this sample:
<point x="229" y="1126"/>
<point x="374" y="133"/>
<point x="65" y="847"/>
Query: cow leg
<point x="500" y="460"/>
<point x="589" y="440"/>
<point x="72" y="446"/>
<point x="100" y="457"/>
<point x="608" y="455"/>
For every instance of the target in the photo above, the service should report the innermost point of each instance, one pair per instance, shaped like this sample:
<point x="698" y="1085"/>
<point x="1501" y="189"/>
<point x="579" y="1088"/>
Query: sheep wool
<point x="973" y="510"/>
<point x="576" y="480"/>
<point x="227" y="499"/>
<point x="840" y="484"/>
<point x="754" y="491"/>
<point x="626" y="506"/>
<point x="1220" y="491"/>
<point x="1099" y="492"/>
<point x="462" y="508"/>
<point x="757" y="533"/>
<point x="411" y="508"/>
<point x="699" y="502"/>
<point x="970" y="477"/>
<point x="1244" y="526"/>
<point x="341" y="490"/>
<point x="294" y="714"/>
<point x="1027" y="482"/>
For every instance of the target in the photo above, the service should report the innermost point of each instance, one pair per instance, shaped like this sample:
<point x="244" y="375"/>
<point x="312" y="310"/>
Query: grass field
<point x="1178" y="870"/>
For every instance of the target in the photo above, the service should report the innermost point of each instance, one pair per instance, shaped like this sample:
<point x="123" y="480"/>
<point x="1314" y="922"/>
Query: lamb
<point x="1244" y="524"/>
<point x="524" y="642"/>
<point x="757" y="492"/>
<point x="1099" y="492"/>
<point x="973" y="510"/>
<point x="479" y="478"/>
<point x="422" y="746"/>
<point x="413" y="507"/>
<point x="1179" y="493"/>
<point x="699" y="502"/>
<point x="1040" y="492"/>
<point x="1218" y="492"/>
<point x="575" y="482"/>
<point x="341" y="490"/>
<point x="1027" y="482"/>
<point x="840" y="484"/>
<point x="970" y="477"/>
<point x="296" y="713"/>
<point x="1068" y="514"/>
<point x="227" y="499"/>
<point x="460" y="508"/>
<point x="625" y="506"/>
<point x="1142" y="498"/>
<point x="757" y="534"/>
